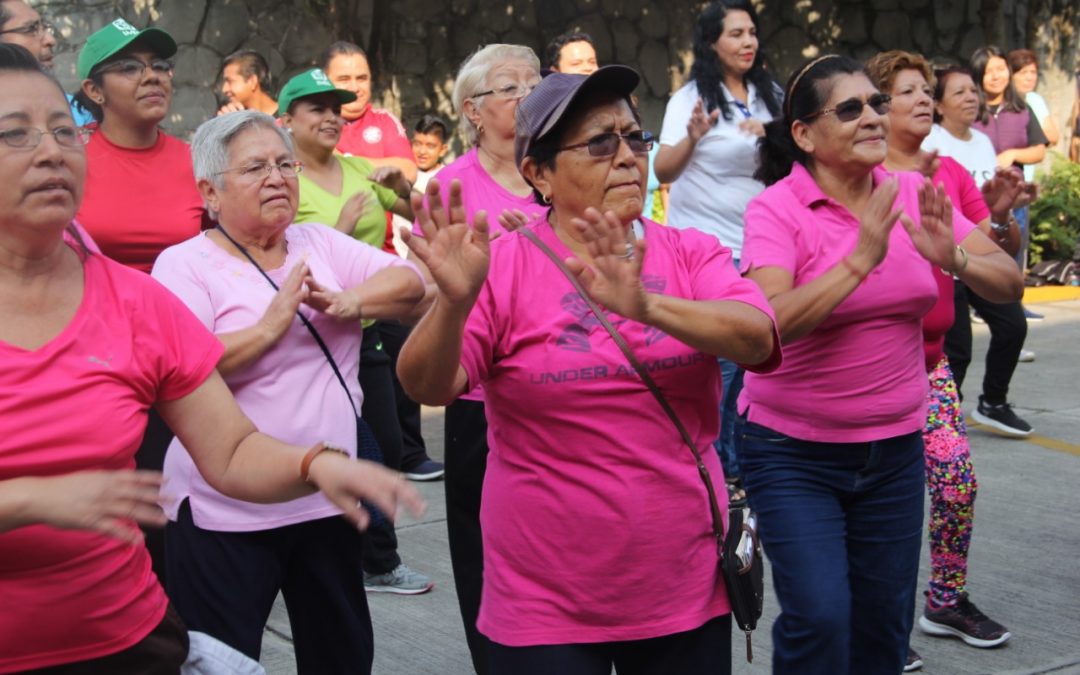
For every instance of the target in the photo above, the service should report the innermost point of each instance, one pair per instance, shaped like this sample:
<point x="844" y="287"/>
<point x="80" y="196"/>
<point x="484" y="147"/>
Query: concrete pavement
<point x="1024" y="563"/>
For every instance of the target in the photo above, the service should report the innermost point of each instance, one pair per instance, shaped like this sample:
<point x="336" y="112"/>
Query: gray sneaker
<point x="400" y="580"/>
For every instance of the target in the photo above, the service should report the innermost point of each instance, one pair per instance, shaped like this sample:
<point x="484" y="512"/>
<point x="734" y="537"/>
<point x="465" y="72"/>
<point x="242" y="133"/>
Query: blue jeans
<point x="727" y="445"/>
<point x="842" y="526"/>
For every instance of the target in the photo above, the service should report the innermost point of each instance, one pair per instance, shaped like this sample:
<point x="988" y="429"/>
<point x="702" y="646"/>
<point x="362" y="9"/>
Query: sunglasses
<point x="851" y="109"/>
<point x="606" y="145"/>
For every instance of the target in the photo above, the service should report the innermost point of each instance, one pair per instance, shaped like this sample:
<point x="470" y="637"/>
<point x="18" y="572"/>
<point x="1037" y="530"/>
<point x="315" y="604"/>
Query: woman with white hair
<point x="487" y="90"/>
<point x="286" y="300"/>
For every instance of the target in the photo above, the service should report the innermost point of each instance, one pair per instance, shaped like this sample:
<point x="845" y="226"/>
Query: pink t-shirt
<point x="79" y="403"/>
<point x="968" y="200"/>
<point x="595" y="521"/>
<point x="859" y="375"/>
<point x="480" y="192"/>
<point x="290" y="392"/>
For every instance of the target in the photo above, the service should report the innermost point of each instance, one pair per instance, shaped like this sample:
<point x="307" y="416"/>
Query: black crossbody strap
<point x="307" y="323"/>
<point x="703" y="471"/>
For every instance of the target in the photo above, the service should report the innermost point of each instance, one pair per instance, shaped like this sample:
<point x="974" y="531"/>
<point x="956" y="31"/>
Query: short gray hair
<point x="472" y="78"/>
<point x="210" y="146"/>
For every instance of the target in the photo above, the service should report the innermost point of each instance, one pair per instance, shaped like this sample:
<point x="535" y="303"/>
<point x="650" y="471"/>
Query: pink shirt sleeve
<point x="770" y="239"/>
<point x="187" y="351"/>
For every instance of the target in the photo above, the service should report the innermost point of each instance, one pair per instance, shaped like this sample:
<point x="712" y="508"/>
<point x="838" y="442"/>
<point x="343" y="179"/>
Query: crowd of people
<point x="220" y="350"/>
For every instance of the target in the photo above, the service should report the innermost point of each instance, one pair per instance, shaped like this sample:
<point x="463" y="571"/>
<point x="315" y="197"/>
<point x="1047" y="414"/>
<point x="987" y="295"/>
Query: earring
<point x="479" y="129"/>
<point x="546" y="198"/>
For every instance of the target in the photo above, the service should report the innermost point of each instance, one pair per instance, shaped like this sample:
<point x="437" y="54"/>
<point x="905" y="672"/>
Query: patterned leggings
<point x="950" y="479"/>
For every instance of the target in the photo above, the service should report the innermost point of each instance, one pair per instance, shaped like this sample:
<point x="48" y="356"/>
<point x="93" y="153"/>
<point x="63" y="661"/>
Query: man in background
<point x="245" y="82"/>
<point x="572" y="53"/>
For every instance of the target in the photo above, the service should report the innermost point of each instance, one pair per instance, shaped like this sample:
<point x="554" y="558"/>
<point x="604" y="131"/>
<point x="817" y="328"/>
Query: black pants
<point x="224" y="584"/>
<point x="466" y="462"/>
<point x="1008" y="330"/>
<point x="380" y="412"/>
<point x="414" y="452"/>
<point x="702" y="651"/>
<point x="151" y="456"/>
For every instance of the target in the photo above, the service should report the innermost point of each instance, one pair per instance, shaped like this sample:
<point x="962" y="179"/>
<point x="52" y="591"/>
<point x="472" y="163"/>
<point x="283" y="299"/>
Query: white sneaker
<point x="1026" y="356"/>
<point x="400" y="580"/>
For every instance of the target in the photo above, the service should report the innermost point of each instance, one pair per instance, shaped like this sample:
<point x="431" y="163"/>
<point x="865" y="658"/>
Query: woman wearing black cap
<point x="597" y="544"/>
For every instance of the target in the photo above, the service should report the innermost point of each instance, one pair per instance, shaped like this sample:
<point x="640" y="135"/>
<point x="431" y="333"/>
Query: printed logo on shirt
<point x="107" y="362"/>
<point x="575" y="337"/>
<point x="372" y="135"/>
<point x="124" y="27"/>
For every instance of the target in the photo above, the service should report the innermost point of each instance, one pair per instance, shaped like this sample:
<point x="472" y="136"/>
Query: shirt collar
<point x="806" y="190"/>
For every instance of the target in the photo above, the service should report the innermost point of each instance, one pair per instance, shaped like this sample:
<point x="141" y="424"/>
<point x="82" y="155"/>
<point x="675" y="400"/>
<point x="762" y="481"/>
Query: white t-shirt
<point x="1041" y="111"/>
<point x="713" y="190"/>
<point x="976" y="155"/>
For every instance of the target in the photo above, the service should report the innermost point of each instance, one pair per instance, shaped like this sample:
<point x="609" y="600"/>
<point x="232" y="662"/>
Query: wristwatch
<point x="1002" y="229"/>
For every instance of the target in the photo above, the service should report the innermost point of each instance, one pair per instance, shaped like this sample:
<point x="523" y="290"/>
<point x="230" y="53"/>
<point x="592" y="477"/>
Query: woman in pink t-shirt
<point x="950" y="475"/>
<point x="596" y="527"/>
<point x="88" y="346"/>
<point x="832" y="450"/>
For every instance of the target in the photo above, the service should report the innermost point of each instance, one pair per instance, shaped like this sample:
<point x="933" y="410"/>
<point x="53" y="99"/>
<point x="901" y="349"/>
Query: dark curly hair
<point x="707" y="71"/>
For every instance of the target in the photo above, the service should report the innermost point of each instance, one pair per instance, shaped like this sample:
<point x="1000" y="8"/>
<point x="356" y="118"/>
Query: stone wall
<point x="416" y="45"/>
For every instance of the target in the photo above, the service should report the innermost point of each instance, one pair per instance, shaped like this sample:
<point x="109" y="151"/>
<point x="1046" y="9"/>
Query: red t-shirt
<point x="377" y="134"/>
<point x="79" y="403"/>
<point x="138" y="202"/>
<point x="968" y="200"/>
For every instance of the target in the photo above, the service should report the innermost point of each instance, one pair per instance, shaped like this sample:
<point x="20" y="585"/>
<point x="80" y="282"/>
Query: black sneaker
<point x="1002" y="418"/>
<point x="914" y="661"/>
<point x="427" y="470"/>
<point x="965" y="621"/>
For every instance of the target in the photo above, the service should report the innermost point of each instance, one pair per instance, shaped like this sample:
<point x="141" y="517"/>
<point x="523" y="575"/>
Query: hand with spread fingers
<point x="456" y="253"/>
<point x="346" y="482"/>
<point x="614" y="278"/>
<point x="933" y="237"/>
<point x="875" y="226"/>
<point x="1002" y="192"/>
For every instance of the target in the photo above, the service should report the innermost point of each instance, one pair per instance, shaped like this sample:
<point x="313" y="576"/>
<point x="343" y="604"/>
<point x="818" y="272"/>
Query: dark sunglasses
<point x="851" y="109"/>
<point x="606" y="145"/>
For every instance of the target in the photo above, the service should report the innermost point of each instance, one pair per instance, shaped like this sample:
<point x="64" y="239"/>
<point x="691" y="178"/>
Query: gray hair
<point x="472" y="78"/>
<point x="210" y="146"/>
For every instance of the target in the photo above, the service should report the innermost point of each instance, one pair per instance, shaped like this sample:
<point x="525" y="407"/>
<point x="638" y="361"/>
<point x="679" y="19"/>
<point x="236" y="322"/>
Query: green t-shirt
<point x="319" y="206"/>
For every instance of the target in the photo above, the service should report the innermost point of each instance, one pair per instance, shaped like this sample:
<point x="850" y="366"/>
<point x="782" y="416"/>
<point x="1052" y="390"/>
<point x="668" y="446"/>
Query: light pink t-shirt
<point x="595" y="521"/>
<point x="859" y="375"/>
<point x="290" y="392"/>
<point x="79" y="403"/>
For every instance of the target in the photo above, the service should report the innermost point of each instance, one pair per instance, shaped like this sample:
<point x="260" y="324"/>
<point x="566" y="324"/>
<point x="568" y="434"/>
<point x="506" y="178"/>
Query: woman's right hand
<point x="346" y="482"/>
<point x="878" y="219"/>
<point x="279" y="315"/>
<point x="1001" y="192"/>
<point x="456" y="254"/>
<point x="353" y="211"/>
<point x="700" y="122"/>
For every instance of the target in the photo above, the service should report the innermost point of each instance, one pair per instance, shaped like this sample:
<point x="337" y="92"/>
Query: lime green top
<point x="319" y="206"/>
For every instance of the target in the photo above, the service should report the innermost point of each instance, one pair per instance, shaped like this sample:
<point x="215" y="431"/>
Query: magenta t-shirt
<point x="79" y="403"/>
<point x="290" y="392"/>
<point x="859" y="375"/>
<point x="595" y="521"/>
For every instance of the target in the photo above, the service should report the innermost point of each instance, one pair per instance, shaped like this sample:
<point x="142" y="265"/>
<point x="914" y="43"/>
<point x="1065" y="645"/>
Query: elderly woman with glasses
<point x="286" y="300"/>
<point x="832" y="444"/>
<point x="487" y="91"/>
<point x="88" y="346"/>
<point x="596" y="524"/>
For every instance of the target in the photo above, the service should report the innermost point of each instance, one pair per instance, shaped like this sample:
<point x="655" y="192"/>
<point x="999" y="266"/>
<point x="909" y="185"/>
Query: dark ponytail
<point x="803" y="96"/>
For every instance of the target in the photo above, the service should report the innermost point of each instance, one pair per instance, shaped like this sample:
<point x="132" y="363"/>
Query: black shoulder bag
<point x="740" y="556"/>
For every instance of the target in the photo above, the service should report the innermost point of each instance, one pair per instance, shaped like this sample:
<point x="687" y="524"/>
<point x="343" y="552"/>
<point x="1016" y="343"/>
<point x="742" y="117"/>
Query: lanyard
<point x="742" y="108"/>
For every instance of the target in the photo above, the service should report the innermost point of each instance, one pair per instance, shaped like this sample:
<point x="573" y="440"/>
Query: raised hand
<point x="512" y="219"/>
<point x="393" y="178"/>
<point x="752" y="127"/>
<point x="614" y="278"/>
<point x="456" y="254"/>
<point x="928" y="163"/>
<point x="279" y="315"/>
<point x="700" y="122"/>
<point x="1002" y="191"/>
<point x="878" y="219"/>
<point x="343" y="305"/>
<point x="109" y="502"/>
<point x="231" y="106"/>
<point x="355" y="208"/>
<point x="933" y="237"/>
<point x="347" y="482"/>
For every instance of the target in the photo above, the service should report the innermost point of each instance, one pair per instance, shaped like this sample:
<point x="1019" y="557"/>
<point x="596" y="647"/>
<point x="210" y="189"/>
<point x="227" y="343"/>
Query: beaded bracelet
<point x="309" y="457"/>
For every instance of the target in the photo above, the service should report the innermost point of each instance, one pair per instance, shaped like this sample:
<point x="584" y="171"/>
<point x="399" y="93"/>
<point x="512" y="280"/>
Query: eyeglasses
<point x="35" y="28"/>
<point x="606" y="145"/>
<point x="509" y="92"/>
<point x="851" y="109"/>
<point x="133" y="69"/>
<point x="29" y="137"/>
<point x="262" y="170"/>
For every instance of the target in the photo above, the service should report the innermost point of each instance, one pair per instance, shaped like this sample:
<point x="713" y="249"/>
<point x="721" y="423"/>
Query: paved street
<point x="1024" y="568"/>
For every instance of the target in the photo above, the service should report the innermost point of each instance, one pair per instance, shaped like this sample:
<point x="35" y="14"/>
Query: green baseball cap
<point x="310" y="82"/>
<point x="117" y="35"/>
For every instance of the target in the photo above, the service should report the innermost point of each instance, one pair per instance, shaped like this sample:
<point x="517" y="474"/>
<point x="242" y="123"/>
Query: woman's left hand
<point x="752" y="127"/>
<point x="346" y="482"/>
<point x="614" y="279"/>
<point x="391" y="177"/>
<point x="343" y="305"/>
<point x="933" y="238"/>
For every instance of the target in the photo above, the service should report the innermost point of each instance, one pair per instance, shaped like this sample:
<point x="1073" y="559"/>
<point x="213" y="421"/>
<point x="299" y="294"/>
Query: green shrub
<point x="1055" y="216"/>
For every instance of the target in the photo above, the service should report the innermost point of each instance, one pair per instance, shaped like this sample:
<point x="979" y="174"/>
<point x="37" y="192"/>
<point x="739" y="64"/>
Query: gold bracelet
<point x="309" y="457"/>
<point x="963" y="262"/>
